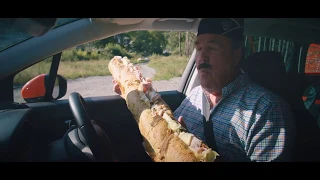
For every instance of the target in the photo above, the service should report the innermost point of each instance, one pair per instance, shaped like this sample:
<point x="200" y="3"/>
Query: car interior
<point x="101" y="128"/>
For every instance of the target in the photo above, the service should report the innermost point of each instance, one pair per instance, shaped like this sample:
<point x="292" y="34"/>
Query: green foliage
<point x="78" y="61"/>
<point x="80" y="55"/>
<point x="104" y="42"/>
<point x="180" y="43"/>
<point x="26" y="75"/>
<point x="148" y="42"/>
<point x="132" y="44"/>
<point x="173" y="39"/>
<point x="168" y="67"/>
<point x="124" y="40"/>
<point x="112" y="50"/>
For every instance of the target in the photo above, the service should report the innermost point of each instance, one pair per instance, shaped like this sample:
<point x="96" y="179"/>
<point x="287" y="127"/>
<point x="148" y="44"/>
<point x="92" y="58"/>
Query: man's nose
<point x="202" y="56"/>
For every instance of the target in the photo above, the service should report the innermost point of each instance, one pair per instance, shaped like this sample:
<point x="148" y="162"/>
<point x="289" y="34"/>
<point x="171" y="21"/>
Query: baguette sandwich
<point x="164" y="137"/>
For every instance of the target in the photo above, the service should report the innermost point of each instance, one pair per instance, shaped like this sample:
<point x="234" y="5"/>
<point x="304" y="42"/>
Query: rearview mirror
<point x="35" y="89"/>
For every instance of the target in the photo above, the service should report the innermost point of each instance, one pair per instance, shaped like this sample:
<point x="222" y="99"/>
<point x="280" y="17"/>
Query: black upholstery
<point x="60" y="150"/>
<point x="268" y="69"/>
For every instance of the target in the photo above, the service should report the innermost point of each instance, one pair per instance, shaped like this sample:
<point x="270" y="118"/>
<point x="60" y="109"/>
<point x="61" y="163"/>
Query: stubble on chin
<point x="206" y="81"/>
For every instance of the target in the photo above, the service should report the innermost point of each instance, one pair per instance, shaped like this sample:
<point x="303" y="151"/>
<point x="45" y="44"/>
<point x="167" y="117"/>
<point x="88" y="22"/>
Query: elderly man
<point x="241" y="120"/>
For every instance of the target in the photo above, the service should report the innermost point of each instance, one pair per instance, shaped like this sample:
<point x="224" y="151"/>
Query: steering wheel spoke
<point x="99" y="143"/>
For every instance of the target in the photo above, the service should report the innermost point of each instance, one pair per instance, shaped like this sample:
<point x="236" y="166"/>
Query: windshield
<point x="10" y="35"/>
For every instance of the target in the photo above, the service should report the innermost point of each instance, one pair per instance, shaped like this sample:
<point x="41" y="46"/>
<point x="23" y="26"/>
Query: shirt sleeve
<point x="270" y="137"/>
<point x="182" y="109"/>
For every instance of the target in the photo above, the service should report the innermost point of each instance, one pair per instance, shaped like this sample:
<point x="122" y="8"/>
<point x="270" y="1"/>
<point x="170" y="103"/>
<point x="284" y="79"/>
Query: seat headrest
<point x="266" y="68"/>
<point x="264" y="62"/>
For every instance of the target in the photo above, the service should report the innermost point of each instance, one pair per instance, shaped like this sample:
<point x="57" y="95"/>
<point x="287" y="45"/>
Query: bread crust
<point x="161" y="143"/>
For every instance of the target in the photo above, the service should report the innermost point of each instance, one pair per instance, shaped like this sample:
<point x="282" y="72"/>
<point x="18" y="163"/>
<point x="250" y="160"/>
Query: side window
<point x="161" y="56"/>
<point x="256" y="44"/>
<point x="24" y="76"/>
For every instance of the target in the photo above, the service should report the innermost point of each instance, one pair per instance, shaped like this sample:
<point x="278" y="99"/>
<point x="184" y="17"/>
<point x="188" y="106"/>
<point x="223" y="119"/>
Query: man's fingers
<point x="181" y="121"/>
<point x="146" y="84"/>
<point x="149" y="80"/>
<point x="146" y="87"/>
<point x="116" y="88"/>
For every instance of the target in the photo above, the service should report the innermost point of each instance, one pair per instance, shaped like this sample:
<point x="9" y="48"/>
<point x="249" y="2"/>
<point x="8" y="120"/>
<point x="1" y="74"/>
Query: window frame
<point x="16" y="33"/>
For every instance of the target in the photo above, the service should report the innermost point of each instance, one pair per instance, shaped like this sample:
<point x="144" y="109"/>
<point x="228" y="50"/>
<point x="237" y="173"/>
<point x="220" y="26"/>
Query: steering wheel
<point x="90" y="134"/>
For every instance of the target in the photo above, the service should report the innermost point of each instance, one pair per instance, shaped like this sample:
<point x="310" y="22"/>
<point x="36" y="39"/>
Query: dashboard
<point x="16" y="134"/>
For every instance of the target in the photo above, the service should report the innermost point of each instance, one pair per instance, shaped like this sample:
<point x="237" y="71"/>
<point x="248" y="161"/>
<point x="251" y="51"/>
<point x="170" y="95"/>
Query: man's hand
<point x="116" y="87"/>
<point x="181" y="121"/>
<point x="146" y="85"/>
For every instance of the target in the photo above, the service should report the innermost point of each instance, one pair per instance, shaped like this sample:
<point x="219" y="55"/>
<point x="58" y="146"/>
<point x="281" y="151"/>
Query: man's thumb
<point x="181" y="121"/>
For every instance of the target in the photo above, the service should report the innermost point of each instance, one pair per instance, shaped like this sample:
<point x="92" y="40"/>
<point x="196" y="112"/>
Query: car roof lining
<point x="295" y="29"/>
<point x="92" y="29"/>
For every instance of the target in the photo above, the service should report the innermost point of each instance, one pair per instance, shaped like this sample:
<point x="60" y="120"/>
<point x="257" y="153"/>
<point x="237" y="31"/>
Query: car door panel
<point x="50" y="119"/>
<point x="110" y="112"/>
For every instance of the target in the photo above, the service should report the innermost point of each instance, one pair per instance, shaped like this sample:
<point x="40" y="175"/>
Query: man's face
<point x="216" y="61"/>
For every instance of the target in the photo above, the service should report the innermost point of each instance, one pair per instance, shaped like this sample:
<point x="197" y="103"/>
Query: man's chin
<point x="205" y="77"/>
<point x="206" y="84"/>
<point x="207" y="88"/>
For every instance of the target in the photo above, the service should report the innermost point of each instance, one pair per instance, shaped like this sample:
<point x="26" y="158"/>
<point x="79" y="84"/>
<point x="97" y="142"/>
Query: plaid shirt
<point x="250" y="123"/>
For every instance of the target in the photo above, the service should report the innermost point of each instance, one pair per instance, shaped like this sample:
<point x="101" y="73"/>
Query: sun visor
<point x="125" y="21"/>
<point x="35" y="26"/>
<point x="177" y="24"/>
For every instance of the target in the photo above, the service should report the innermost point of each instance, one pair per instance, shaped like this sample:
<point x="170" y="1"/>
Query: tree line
<point x="147" y="43"/>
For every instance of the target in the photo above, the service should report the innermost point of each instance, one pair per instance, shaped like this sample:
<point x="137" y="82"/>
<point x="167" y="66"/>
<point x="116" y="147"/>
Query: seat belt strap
<point x="209" y="135"/>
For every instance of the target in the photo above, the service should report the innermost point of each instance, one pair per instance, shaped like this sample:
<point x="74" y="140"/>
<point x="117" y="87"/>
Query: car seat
<point x="267" y="69"/>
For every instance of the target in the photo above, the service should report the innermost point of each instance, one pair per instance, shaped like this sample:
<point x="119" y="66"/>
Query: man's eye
<point x="213" y="48"/>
